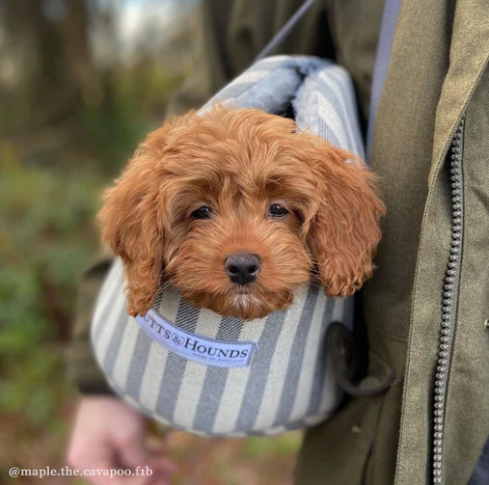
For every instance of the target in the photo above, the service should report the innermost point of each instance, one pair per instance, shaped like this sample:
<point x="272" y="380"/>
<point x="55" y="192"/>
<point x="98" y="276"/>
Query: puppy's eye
<point x="201" y="213"/>
<point x="276" y="210"/>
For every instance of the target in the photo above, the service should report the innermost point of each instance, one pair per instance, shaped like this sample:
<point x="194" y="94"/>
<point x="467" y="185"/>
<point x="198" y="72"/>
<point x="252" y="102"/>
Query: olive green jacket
<point x="426" y="306"/>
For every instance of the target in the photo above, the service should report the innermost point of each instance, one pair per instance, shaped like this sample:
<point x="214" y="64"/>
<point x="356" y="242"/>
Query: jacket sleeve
<point x="229" y="36"/>
<point x="82" y="367"/>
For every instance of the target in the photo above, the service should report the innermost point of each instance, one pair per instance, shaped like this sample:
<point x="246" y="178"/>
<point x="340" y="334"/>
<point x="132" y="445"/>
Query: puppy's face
<point x="236" y="210"/>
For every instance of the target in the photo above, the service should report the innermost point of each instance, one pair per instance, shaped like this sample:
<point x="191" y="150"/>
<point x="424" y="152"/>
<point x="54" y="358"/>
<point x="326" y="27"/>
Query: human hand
<point x="108" y="434"/>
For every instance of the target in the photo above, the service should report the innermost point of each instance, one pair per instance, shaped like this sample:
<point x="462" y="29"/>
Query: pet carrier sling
<point x="196" y="371"/>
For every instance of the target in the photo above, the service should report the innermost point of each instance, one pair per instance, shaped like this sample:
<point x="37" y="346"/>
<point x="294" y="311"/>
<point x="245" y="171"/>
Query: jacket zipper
<point x="449" y="301"/>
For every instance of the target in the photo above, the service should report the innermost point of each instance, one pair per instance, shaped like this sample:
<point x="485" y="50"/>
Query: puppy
<point x="236" y="208"/>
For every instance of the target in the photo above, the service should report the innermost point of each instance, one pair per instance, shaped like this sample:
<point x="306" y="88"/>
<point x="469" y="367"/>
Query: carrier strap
<point x="278" y="38"/>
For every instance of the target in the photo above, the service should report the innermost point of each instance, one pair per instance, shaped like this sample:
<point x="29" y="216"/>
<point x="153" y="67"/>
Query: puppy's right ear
<point x="132" y="227"/>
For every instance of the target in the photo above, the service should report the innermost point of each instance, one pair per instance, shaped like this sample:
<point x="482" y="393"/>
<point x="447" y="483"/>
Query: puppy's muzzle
<point x="242" y="268"/>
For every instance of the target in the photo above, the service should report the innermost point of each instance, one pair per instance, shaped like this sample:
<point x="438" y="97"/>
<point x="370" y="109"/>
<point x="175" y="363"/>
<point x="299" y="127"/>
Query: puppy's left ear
<point x="346" y="230"/>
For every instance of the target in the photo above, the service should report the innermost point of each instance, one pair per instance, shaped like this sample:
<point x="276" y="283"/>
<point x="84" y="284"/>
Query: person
<point x="421" y="78"/>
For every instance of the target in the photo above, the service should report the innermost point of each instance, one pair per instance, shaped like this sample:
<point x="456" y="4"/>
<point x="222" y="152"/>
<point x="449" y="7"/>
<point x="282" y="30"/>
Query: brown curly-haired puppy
<point x="235" y="208"/>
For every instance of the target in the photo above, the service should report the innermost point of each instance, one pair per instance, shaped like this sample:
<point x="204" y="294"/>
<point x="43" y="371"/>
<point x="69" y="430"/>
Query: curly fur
<point x="238" y="162"/>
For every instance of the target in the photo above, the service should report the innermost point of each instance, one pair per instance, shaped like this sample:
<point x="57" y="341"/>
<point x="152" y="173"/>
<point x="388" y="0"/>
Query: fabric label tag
<point x="196" y="347"/>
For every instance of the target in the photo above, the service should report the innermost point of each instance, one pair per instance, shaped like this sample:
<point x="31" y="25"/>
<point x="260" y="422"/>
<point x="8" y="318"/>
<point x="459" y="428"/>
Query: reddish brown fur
<point x="238" y="162"/>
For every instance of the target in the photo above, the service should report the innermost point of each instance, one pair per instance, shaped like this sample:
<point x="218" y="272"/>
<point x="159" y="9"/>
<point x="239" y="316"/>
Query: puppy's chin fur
<point x="241" y="304"/>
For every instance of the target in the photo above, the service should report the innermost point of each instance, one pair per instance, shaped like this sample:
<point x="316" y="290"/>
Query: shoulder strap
<point x="278" y="38"/>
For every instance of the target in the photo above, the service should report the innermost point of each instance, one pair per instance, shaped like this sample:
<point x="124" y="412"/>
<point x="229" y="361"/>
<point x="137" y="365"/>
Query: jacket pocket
<point x="337" y="451"/>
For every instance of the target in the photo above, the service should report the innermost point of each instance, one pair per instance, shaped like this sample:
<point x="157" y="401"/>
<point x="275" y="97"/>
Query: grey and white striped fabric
<point x="183" y="366"/>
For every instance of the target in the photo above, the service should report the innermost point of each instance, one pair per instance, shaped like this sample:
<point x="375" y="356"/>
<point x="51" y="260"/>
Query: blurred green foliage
<point x="50" y="191"/>
<point x="46" y="239"/>
<point x="134" y="106"/>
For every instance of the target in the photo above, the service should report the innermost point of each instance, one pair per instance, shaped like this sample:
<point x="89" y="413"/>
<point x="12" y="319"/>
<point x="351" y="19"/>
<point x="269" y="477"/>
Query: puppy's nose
<point x="242" y="268"/>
